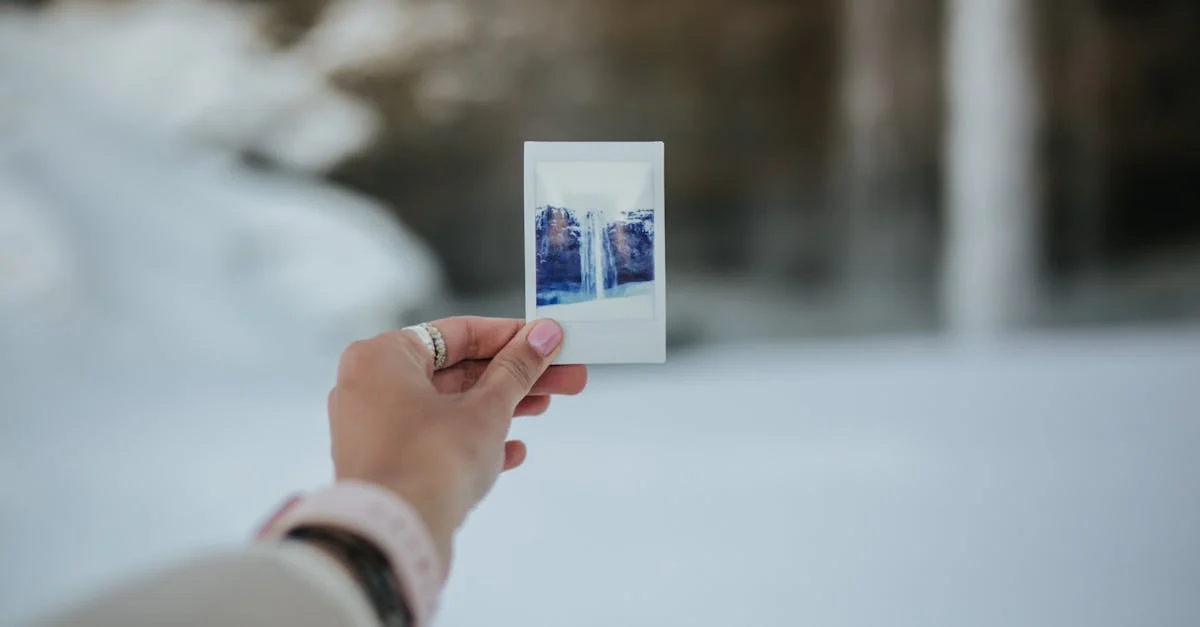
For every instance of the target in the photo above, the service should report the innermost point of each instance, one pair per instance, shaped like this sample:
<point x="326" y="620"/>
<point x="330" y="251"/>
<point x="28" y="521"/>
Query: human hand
<point x="438" y="439"/>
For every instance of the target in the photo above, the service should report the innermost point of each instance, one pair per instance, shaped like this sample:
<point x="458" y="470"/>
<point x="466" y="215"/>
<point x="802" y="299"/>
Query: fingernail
<point x="545" y="336"/>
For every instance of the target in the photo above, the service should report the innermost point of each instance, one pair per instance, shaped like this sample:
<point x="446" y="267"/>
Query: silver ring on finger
<point x="432" y="338"/>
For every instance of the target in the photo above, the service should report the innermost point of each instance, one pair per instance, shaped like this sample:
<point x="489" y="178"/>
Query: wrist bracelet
<point x="368" y="565"/>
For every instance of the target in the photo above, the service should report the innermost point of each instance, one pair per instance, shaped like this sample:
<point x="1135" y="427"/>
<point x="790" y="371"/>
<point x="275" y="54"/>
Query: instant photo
<point x="595" y="249"/>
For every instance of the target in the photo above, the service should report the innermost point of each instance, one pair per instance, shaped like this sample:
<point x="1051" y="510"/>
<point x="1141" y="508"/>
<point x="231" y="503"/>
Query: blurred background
<point x="933" y="298"/>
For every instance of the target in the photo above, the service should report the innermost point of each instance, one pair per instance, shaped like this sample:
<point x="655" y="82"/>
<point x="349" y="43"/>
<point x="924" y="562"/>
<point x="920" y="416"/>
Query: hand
<point x="438" y="439"/>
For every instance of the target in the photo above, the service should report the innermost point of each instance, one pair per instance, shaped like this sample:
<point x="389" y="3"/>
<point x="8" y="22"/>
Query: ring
<point x="432" y="338"/>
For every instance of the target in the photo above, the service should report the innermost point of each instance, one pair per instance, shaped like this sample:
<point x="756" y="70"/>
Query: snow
<point x="35" y="259"/>
<point x="123" y="220"/>
<point x="154" y="239"/>
<point x="212" y="76"/>
<point x="900" y="482"/>
<point x="905" y="483"/>
<point x="626" y="308"/>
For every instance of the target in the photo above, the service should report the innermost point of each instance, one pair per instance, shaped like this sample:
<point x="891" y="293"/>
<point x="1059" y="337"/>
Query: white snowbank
<point x="156" y="243"/>
<point x="125" y="217"/>
<point x="38" y="273"/>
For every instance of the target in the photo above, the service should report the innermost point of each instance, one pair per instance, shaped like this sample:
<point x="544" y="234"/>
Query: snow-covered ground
<point x="638" y="307"/>
<point x="1051" y="481"/>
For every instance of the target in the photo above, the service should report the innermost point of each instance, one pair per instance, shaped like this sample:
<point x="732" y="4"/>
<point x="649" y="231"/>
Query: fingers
<point x="399" y="354"/>
<point x="532" y="406"/>
<point x="514" y="454"/>
<point x="519" y="365"/>
<point x="569" y="380"/>
<point x="466" y="337"/>
<point x="474" y="337"/>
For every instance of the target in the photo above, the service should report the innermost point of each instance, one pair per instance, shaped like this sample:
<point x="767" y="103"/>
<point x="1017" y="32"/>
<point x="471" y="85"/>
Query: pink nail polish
<point x="545" y="337"/>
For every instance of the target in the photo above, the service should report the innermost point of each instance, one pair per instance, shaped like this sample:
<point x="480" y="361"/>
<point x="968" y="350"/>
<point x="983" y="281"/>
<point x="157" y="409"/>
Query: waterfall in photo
<point x="587" y="263"/>
<point x="597" y="269"/>
<point x="608" y="256"/>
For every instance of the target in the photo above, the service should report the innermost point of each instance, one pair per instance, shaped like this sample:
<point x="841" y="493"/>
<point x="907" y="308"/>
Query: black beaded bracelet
<point x="370" y="567"/>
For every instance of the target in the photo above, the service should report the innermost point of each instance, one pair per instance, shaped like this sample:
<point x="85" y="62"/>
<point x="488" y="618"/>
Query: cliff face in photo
<point x="558" y="255"/>
<point x="632" y="244"/>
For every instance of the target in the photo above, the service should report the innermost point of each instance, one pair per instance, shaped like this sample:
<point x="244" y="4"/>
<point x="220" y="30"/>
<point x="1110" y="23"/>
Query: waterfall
<point x="609" y="257"/>
<point x="591" y="253"/>
<point x="597" y="256"/>
<point x="587" y="275"/>
<point x="596" y="233"/>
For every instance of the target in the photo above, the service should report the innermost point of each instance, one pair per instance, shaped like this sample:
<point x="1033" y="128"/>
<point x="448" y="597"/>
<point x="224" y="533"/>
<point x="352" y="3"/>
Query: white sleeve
<point x="268" y="585"/>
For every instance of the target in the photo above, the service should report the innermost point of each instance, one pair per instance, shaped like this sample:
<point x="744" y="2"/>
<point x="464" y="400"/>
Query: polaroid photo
<point x="595" y="256"/>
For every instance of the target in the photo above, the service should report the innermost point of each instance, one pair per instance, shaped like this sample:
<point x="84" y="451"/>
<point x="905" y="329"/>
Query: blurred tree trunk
<point x="889" y="107"/>
<point x="1086" y="67"/>
<point x="990" y="257"/>
<point x="1075" y="70"/>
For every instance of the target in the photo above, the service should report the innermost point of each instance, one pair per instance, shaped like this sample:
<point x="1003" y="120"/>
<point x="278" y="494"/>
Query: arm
<point x="418" y="430"/>
<point x="289" y="583"/>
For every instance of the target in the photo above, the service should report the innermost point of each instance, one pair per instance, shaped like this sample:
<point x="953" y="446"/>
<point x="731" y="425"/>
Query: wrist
<point x="441" y="519"/>
<point x="387" y="524"/>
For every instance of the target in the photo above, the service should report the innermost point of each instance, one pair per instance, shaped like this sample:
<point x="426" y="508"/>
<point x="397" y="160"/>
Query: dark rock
<point x="632" y="246"/>
<point x="558" y="264"/>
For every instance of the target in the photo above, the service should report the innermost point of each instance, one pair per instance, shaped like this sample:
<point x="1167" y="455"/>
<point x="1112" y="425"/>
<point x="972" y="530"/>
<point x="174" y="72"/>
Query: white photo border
<point x="613" y="341"/>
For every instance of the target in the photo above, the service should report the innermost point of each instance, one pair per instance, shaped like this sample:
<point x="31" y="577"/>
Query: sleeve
<point x="269" y="585"/>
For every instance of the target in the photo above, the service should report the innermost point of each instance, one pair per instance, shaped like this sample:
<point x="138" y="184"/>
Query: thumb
<point x="518" y="365"/>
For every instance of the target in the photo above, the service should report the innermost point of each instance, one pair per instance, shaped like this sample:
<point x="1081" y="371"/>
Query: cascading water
<point x="587" y="273"/>
<point x="610" y="256"/>
<point x="598" y="256"/>
<point x="593" y="255"/>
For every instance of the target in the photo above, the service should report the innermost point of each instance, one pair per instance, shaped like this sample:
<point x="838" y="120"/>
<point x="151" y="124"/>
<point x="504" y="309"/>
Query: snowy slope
<point x="1053" y="482"/>
<point x="1050" y="482"/>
